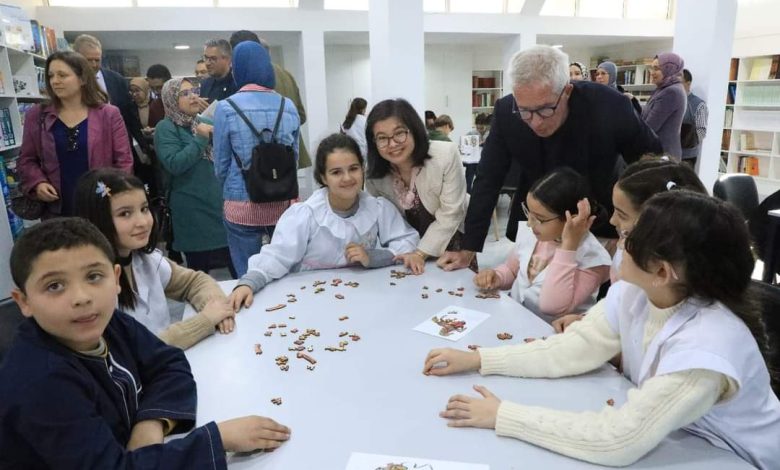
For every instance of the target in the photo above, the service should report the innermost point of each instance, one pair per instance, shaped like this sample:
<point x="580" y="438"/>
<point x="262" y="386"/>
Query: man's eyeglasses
<point x="399" y="137"/>
<point x="190" y="92"/>
<point x="544" y="112"/>
<point x="534" y="220"/>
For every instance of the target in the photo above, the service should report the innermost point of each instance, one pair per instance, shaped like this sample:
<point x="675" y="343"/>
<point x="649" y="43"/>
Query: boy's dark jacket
<point x="60" y="409"/>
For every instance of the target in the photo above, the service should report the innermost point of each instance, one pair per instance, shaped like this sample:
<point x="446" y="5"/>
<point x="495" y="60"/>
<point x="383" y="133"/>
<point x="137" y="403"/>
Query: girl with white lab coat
<point x="339" y="225"/>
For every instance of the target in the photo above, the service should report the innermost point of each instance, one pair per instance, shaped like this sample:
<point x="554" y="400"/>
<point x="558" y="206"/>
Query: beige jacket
<point x="441" y="185"/>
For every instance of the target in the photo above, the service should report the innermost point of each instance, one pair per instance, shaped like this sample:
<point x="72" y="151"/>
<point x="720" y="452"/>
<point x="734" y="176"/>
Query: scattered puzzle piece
<point x="258" y="349"/>
<point x="504" y="336"/>
<point x="474" y="347"/>
<point x="276" y="401"/>
<point x="611" y="402"/>
<point x="275" y="307"/>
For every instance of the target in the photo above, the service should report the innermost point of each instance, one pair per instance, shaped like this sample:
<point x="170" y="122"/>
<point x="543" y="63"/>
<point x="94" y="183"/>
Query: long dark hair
<point x="358" y="106"/>
<point x="328" y="145"/>
<point x="645" y="178"/>
<point x="561" y="190"/>
<point x="708" y="239"/>
<point x="400" y="109"/>
<point x="97" y="209"/>
<point x="91" y="94"/>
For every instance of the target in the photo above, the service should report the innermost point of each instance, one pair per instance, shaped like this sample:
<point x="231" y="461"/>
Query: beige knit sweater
<point x="615" y="435"/>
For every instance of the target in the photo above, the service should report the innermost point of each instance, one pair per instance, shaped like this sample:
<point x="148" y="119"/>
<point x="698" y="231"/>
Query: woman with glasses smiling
<point x="75" y="132"/>
<point x="423" y="178"/>
<point x="557" y="265"/>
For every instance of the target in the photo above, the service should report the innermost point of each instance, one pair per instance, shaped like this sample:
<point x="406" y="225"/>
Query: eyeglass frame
<point x="387" y="139"/>
<point x="189" y="91"/>
<point x="519" y="112"/>
<point x="529" y="215"/>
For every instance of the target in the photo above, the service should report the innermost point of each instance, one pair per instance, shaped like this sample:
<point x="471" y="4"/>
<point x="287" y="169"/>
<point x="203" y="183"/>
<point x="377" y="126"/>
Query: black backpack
<point x="273" y="174"/>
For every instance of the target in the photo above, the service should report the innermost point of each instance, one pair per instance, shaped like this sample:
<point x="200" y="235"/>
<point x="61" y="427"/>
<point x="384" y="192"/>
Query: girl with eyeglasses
<point x="195" y="195"/>
<point x="424" y="179"/>
<point x="557" y="265"/>
<point x="339" y="225"/>
<point x="76" y="131"/>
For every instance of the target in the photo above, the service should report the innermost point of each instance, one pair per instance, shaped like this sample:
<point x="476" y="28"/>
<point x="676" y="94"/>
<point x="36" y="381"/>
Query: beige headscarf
<point x="143" y="107"/>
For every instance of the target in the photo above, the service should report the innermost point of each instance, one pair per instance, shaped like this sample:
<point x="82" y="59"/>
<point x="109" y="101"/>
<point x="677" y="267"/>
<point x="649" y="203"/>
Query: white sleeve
<point x="394" y="233"/>
<point x="288" y="245"/>
<point x="617" y="436"/>
<point x="582" y="347"/>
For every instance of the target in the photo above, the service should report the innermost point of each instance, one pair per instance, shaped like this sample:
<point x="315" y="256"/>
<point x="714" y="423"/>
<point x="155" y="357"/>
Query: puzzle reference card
<point x="452" y="323"/>
<point x="360" y="461"/>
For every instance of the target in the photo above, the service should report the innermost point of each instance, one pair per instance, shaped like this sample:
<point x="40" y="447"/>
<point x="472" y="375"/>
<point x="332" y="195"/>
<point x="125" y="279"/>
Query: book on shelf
<point x="724" y="163"/>
<point x="733" y="69"/>
<point x="759" y="68"/>
<point x="36" y="35"/>
<point x="7" y="128"/>
<point x="748" y="165"/>
<point x="725" y="140"/>
<point x="728" y="118"/>
<point x="25" y="85"/>
<point x="773" y="69"/>
<point x="732" y="93"/>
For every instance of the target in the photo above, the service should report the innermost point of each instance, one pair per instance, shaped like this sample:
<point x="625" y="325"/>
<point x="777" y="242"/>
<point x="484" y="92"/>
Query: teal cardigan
<point x="195" y="194"/>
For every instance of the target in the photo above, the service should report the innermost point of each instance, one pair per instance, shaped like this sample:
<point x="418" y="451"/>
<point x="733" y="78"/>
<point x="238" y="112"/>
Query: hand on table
<point x="356" y="254"/>
<point x="487" y="279"/>
<point x="577" y="226"/>
<point x="454" y="260"/>
<point x="454" y="361"/>
<point x="560" y="324"/>
<point x="252" y="433"/>
<point x="220" y="313"/>
<point x="468" y="412"/>
<point x="414" y="261"/>
<point x="45" y="192"/>
<point x="241" y="296"/>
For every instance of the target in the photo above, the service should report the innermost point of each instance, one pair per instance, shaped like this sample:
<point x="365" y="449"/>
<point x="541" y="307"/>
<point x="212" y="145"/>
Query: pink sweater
<point x="565" y="286"/>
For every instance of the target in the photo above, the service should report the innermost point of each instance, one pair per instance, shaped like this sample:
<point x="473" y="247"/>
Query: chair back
<point x="738" y="189"/>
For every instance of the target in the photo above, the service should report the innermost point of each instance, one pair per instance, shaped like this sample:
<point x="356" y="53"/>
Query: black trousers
<point x="211" y="259"/>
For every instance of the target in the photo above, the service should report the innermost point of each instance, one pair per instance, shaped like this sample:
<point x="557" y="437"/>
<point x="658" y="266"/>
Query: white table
<point x="374" y="398"/>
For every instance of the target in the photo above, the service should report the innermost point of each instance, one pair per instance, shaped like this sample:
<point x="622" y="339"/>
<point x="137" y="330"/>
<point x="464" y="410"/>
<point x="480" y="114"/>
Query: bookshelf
<point x="486" y="88"/>
<point x="633" y="76"/>
<point x="751" y="129"/>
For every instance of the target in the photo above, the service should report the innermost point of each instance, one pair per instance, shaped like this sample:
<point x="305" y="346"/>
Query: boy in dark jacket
<point x="85" y="386"/>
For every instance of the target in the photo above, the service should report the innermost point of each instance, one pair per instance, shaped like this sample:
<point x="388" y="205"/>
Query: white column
<point x="314" y="89"/>
<point x="511" y="47"/>
<point x="396" y="43"/>
<point x="703" y="37"/>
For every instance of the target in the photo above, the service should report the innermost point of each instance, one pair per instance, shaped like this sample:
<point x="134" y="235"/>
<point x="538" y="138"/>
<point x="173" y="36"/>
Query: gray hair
<point x="540" y="64"/>
<point x="86" y="41"/>
<point x="222" y="44"/>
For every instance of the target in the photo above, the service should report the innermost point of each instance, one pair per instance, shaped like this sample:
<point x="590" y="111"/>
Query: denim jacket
<point x="232" y="134"/>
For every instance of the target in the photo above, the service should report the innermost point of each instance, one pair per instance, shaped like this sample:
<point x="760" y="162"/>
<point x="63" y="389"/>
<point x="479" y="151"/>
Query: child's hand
<point x="145" y="433"/>
<point x="251" y="433"/>
<point x="464" y="411"/>
<point x="455" y="361"/>
<point x="487" y="279"/>
<point x="356" y="254"/>
<point x="227" y="325"/>
<point x="577" y="226"/>
<point x="241" y="296"/>
<point x="560" y="324"/>
<point x="217" y="310"/>
<point x="413" y="261"/>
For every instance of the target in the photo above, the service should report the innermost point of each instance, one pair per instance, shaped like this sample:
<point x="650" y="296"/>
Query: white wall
<point x="348" y="76"/>
<point x="757" y="31"/>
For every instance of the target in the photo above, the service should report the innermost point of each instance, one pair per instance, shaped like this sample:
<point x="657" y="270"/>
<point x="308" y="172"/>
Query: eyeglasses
<point x="73" y="138"/>
<point x="544" y="112"/>
<point x="532" y="219"/>
<point x="195" y="91"/>
<point x="399" y="137"/>
<point x="211" y="58"/>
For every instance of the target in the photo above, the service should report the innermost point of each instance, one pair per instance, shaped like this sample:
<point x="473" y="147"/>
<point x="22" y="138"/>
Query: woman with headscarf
<point x="146" y="168"/>
<point x="606" y="74"/>
<point x="183" y="150"/>
<point x="577" y="72"/>
<point x="248" y="223"/>
<point x="665" y="109"/>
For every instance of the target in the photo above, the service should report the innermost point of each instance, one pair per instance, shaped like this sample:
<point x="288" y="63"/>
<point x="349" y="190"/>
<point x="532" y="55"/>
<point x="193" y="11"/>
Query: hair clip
<point x="665" y="158"/>
<point x="146" y="188"/>
<point x="670" y="185"/>
<point x="102" y="189"/>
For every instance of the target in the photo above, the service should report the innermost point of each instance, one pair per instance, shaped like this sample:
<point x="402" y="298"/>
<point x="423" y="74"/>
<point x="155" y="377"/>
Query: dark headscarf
<point x="252" y="65"/>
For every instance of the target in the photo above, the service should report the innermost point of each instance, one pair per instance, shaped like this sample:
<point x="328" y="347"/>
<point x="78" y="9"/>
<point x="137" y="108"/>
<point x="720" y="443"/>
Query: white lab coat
<point x="309" y="235"/>
<point x="151" y="273"/>
<point x="711" y="337"/>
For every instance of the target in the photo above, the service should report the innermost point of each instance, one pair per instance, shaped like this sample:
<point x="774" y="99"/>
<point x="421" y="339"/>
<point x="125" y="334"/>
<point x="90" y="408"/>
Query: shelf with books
<point x="486" y="88"/>
<point x="751" y="135"/>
